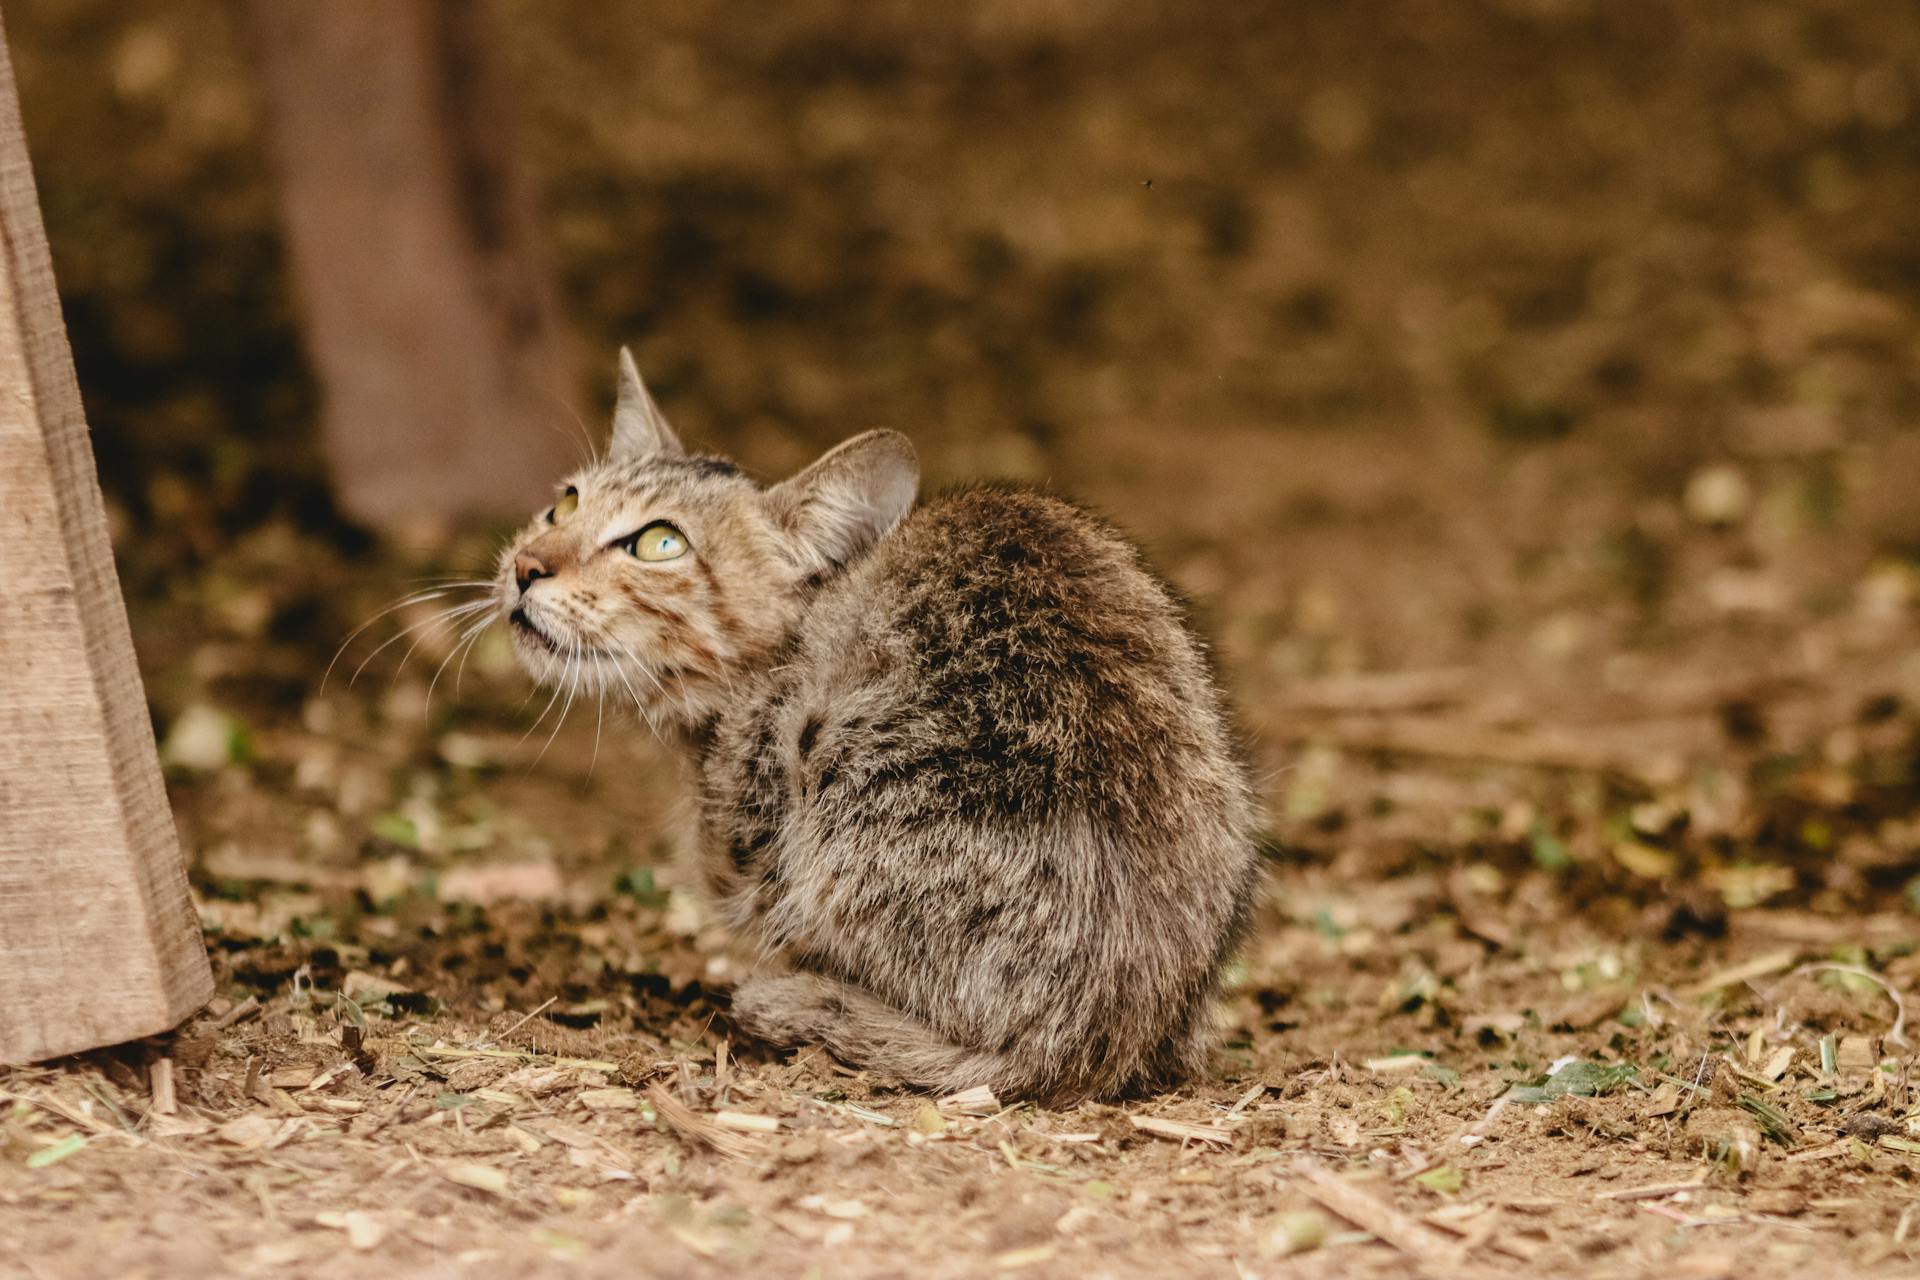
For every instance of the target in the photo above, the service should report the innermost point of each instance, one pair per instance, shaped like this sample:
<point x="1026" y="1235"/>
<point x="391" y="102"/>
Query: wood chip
<point x="364" y="1230"/>
<point x="479" y="1177"/>
<point x="615" y="1099"/>
<point x="747" y="1122"/>
<point x="844" y="1210"/>
<point x="977" y="1101"/>
<point x="160" y="1080"/>
<point x="1858" y="1053"/>
<point x="1032" y="1255"/>
<point x="1403" y="1232"/>
<point x="251" y="1130"/>
<point x="1181" y="1130"/>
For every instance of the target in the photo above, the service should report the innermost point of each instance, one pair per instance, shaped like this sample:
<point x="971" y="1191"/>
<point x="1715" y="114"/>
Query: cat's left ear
<point x="851" y="498"/>
<point x="640" y="430"/>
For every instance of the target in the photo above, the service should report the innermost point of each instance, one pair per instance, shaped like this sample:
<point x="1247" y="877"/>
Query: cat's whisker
<point x="586" y="436"/>
<point x="402" y="634"/>
<point x="412" y="598"/>
<point x="599" y="722"/>
<point x="621" y="672"/>
<point x="571" y="678"/>
<point x="460" y="672"/>
<point x="453" y="616"/>
<point x="460" y="646"/>
<point x="541" y="719"/>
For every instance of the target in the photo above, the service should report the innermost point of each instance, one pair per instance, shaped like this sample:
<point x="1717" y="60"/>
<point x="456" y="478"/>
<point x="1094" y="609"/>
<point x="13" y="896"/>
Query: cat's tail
<point x="803" y="1008"/>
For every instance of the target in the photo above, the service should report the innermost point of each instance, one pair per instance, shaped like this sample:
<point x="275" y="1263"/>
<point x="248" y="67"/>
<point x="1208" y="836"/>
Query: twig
<point x="1407" y="1234"/>
<point x="245" y="1009"/>
<point x="684" y="1119"/>
<point x="1826" y="1152"/>
<point x="100" y="1095"/>
<point x="1654" y="1192"/>
<point x="529" y="1018"/>
<point x="1764" y="966"/>
<point x="512" y="1055"/>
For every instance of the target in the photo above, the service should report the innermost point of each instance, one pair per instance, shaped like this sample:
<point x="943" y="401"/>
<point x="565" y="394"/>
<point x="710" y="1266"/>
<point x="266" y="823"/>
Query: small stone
<point x="202" y="739"/>
<point x="1718" y="496"/>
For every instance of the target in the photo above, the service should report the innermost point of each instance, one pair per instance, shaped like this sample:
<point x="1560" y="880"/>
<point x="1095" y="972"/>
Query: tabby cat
<point x="963" y="775"/>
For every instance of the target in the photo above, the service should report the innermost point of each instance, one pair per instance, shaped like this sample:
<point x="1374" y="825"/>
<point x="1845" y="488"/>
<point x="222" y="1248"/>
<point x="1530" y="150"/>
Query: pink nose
<point x="527" y="569"/>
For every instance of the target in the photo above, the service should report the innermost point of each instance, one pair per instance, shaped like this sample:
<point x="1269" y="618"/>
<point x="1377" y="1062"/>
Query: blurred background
<point x="1523" y="391"/>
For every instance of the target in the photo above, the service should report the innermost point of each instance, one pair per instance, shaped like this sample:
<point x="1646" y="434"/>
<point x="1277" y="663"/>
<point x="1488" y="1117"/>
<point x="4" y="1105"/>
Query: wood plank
<point x="99" y="941"/>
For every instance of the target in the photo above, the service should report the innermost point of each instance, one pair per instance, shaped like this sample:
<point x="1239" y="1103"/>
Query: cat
<point x="964" y="777"/>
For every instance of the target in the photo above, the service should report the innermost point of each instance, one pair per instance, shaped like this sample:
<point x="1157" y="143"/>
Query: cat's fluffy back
<point x="1000" y="793"/>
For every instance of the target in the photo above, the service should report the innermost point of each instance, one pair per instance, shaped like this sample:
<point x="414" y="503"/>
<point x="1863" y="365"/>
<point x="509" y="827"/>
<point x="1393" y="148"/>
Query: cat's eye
<point x="658" y="541"/>
<point x="568" y="504"/>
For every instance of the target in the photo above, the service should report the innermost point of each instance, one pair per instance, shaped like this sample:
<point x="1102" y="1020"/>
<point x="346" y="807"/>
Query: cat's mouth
<point x="531" y="630"/>
<point x="524" y="625"/>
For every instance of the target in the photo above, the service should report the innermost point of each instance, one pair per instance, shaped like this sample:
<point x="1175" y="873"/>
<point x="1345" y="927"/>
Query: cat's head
<point x="659" y="576"/>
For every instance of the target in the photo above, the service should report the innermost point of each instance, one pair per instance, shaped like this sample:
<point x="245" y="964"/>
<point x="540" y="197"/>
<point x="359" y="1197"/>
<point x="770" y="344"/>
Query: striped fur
<point x="964" y="777"/>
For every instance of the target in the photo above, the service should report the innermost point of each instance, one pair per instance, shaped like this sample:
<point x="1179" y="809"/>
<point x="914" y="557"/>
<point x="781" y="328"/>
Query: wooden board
<point x="99" y="941"/>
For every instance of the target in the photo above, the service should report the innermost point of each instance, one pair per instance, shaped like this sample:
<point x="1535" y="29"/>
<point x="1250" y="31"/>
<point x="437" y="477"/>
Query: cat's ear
<point x="851" y="498"/>
<point x="640" y="430"/>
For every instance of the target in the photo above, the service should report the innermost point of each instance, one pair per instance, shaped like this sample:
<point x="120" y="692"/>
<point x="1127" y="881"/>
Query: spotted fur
<point x="963" y="775"/>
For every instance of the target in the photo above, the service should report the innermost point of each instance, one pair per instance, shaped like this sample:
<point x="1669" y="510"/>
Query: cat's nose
<point x="527" y="569"/>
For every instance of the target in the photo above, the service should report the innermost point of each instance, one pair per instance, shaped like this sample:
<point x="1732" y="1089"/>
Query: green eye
<point x="658" y="541"/>
<point x="568" y="504"/>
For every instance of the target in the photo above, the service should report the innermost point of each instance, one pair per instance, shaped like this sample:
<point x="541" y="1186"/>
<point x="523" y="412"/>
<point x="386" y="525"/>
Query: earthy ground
<point x="1523" y="392"/>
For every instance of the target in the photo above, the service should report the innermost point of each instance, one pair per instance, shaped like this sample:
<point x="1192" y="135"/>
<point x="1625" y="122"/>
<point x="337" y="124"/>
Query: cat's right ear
<point x="640" y="430"/>
<point x="851" y="498"/>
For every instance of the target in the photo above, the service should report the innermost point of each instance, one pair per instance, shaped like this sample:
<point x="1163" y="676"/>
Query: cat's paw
<point x="788" y="1008"/>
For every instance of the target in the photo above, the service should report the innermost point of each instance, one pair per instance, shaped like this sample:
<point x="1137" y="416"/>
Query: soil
<point x="1521" y="390"/>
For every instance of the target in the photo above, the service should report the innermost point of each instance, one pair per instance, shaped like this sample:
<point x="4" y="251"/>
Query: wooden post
<point x="445" y="376"/>
<point x="99" y="941"/>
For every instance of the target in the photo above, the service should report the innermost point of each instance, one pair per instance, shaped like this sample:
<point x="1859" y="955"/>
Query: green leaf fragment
<point x="1773" y="1121"/>
<point x="1580" y="1079"/>
<point x="67" y="1146"/>
<point x="1444" y="1179"/>
<point x="1549" y="851"/>
<point x="397" y="828"/>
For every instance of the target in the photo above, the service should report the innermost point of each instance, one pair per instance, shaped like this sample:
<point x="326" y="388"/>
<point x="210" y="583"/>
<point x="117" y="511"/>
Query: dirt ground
<point x="1523" y="392"/>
